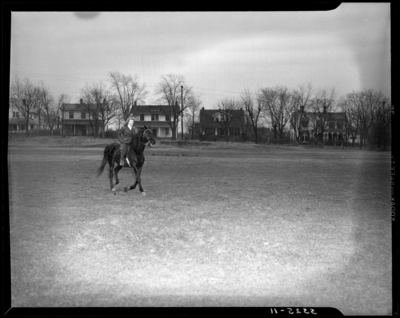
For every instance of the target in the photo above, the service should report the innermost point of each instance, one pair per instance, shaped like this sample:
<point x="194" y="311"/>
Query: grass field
<point x="265" y="226"/>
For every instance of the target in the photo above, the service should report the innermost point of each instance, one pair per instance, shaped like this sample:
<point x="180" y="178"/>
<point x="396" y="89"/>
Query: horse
<point x="135" y="158"/>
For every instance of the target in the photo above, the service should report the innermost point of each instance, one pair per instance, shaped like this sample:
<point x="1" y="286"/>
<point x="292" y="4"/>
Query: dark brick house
<point x="218" y="123"/>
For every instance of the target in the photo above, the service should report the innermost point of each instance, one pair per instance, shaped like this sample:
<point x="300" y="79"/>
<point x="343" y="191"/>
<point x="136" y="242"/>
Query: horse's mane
<point x="135" y="140"/>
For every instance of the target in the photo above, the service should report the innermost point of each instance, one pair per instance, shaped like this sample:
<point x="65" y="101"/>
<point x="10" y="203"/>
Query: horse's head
<point x="147" y="137"/>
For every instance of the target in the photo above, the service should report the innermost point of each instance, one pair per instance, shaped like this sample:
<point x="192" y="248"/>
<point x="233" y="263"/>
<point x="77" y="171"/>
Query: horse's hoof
<point x="116" y="182"/>
<point x="126" y="189"/>
<point x="143" y="193"/>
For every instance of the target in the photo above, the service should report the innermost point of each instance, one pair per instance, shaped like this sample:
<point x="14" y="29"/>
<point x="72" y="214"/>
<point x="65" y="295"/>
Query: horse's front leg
<point x="116" y="170"/>
<point x="134" y="171"/>
<point x="139" y="180"/>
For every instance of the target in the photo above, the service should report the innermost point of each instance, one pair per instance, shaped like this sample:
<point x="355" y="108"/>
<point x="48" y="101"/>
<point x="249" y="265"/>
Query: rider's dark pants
<point x="124" y="147"/>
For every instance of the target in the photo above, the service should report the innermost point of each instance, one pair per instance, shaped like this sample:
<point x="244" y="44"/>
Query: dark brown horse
<point x="135" y="158"/>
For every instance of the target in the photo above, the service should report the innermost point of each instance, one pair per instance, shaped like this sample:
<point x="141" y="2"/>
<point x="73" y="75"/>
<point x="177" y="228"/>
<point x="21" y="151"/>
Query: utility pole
<point x="182" y="110"/>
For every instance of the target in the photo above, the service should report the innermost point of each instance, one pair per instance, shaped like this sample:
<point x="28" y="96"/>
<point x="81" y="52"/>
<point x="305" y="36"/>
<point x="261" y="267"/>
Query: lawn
<point x="240" y="226"/>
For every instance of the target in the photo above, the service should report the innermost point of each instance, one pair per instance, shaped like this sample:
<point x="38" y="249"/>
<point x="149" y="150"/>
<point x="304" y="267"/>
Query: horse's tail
<point x="103" y="163"/>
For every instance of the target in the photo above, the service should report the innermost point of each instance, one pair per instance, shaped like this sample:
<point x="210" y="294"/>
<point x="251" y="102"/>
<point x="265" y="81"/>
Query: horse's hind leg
<point x="116" y="170"/>
<point x="111" y="176"/>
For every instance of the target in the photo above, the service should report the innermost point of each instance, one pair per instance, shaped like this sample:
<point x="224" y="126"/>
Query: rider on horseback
<point x="125" y="135"/>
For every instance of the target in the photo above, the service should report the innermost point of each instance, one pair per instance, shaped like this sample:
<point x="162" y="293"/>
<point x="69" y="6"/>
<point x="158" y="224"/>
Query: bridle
<point x="145" y="134"/>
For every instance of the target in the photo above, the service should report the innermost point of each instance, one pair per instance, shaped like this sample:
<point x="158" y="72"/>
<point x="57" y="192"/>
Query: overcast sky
<point x="219" y="53"/>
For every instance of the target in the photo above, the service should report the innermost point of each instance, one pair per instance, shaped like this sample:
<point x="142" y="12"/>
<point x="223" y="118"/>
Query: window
<point x="16" y="114"/>
<point x="167" y="117"/>
<point x="83" y="115"/>
<point x="304" y="123"/>
<point x="71" y="115"/>
<point x="331" y="125"/>
<point x="210" y="132"/>
<point x="339" y="125"/>
<point x="14" y="127"/>
<point x="22" y="127"/>
<point x="154" y="117"/>
<point x="141" y="117"/>
<point x="167" y="131"/>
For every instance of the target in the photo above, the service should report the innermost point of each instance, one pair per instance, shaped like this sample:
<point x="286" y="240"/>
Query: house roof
<point x="67" y="107"/>
<point x="137" y="110"/>
<point x="329" y="116"/>
<point x="154" y="109"/>
<point x="211" y="112"/>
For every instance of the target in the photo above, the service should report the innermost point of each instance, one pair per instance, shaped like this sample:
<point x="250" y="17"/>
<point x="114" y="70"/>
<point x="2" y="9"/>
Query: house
<point x="77" y="122"/>
<point x="155" y="117"/>
<point x="309" y="125"/>
<point x="17" y="122"/>
<point x="219" y="123"/>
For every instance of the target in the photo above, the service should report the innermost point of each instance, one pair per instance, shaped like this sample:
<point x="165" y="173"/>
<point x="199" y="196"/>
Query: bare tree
<point x="254" y="106"/>
<point x="229" y="119"/>
<point x="88" y="104"/>
<point x="365" y="104"/>
<point x="25" y="97"/>
<point x="351" y="123"/>
<point x="61" y="99"/>
<point x="301" y="100"/>
<point x="279" y="104"/>
<point x="105" y="105"/>
<point x="322" y="107"/>
<point x="128" y="90"/>
<point x="119" y="117"/>
<point x="382" y="124"/>
<point x="100" y="106"/>
<point x="193" y="106"/>
<point x="171" y="89"/>
<point x="47" y="102"/>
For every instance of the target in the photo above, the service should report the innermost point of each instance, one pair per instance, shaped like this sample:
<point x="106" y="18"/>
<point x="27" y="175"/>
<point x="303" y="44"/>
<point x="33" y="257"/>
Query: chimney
<point x="104" y="101"/>
<point x="324" y="109"/>
<point x="81" y="101"/>
<point x="302" y="109"/>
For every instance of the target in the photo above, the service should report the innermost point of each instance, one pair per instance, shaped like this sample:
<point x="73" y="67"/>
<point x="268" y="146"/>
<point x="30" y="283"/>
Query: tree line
<point x="103" y="103"/>
<point x="368" y="112"/>
<point x="282" y="109"/>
